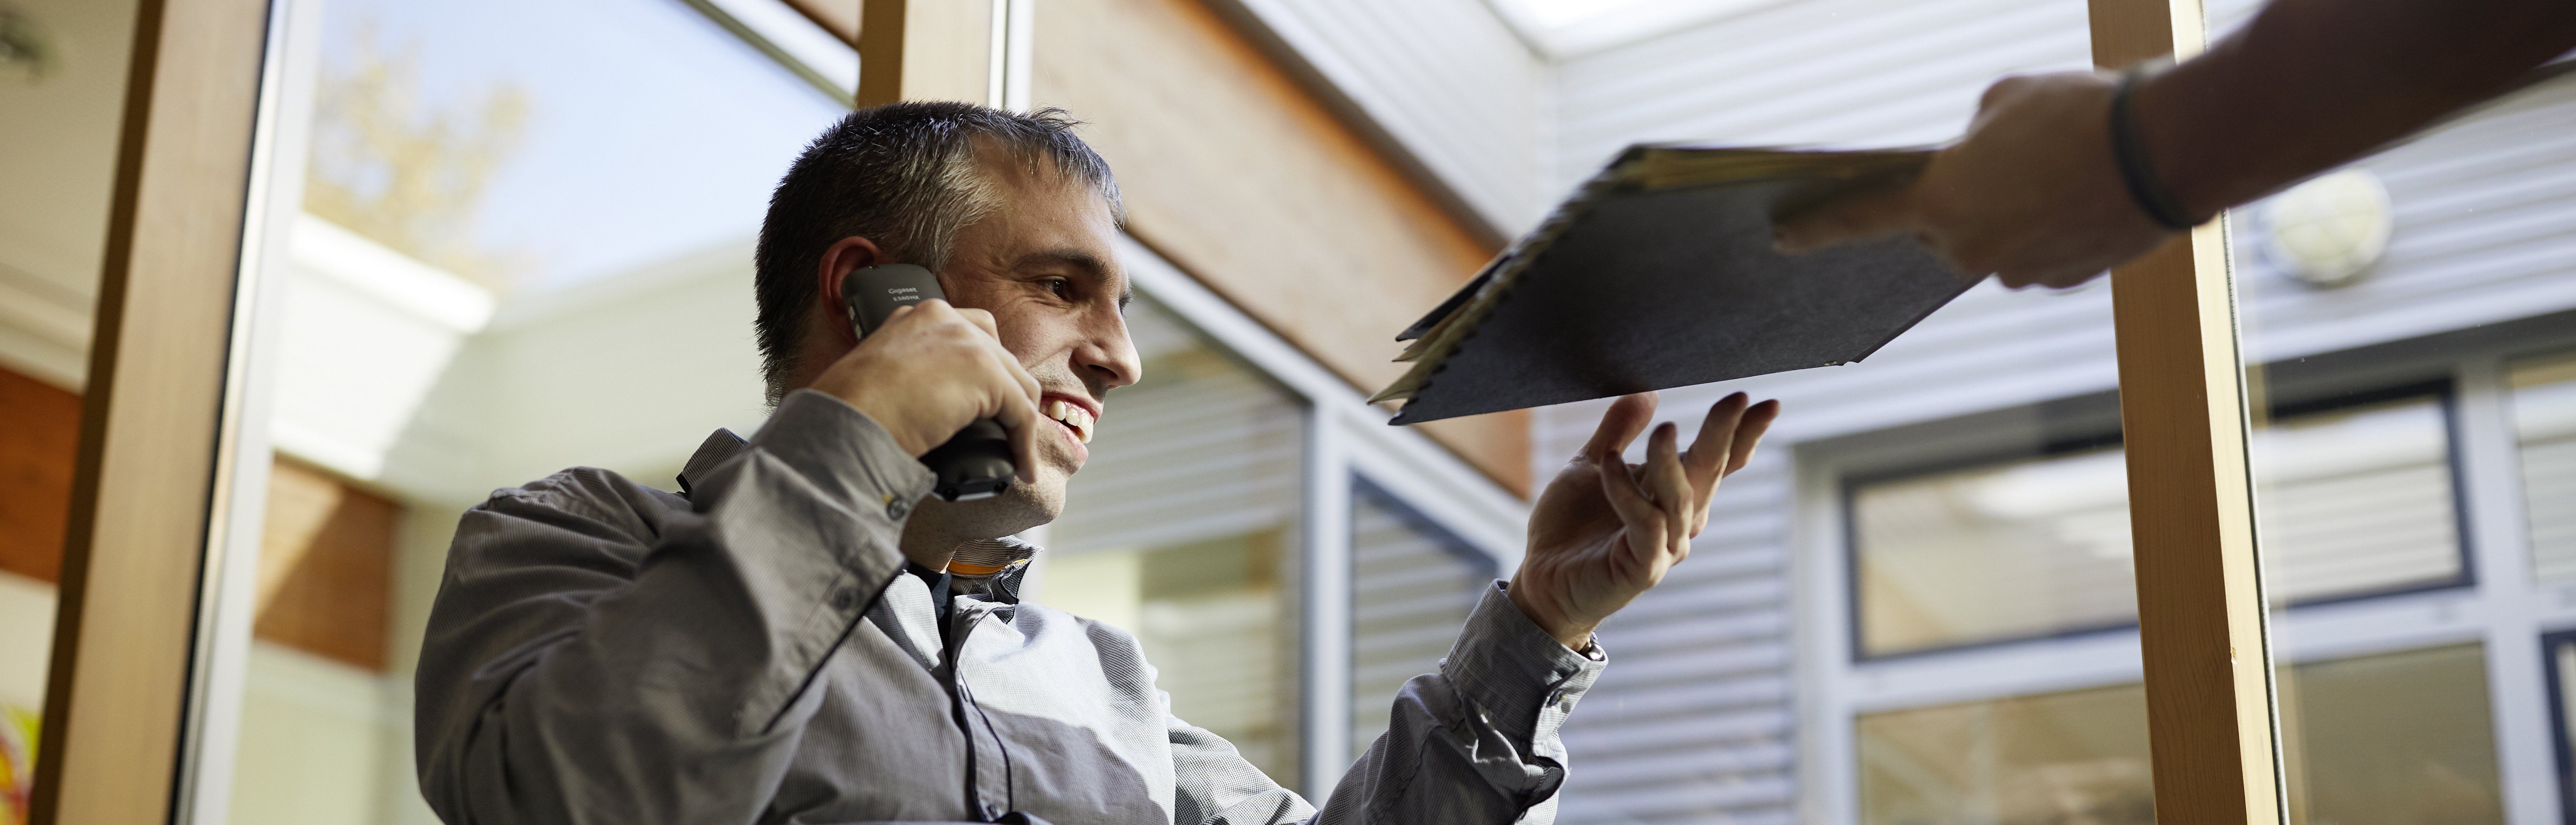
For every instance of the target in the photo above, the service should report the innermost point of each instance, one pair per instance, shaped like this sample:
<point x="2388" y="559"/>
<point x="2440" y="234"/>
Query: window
<point x="1412" y="585"/>
<point x="2544" y="418"/>
<point x="2392" y="737"/>
<point x="2357" y="498"/>
<point x="525" y="235"/>
<point x="1182" y="531"/>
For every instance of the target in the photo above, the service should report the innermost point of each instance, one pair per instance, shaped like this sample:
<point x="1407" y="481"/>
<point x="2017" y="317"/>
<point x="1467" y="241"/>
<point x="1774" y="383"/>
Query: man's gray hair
<point x="907" y="177"/>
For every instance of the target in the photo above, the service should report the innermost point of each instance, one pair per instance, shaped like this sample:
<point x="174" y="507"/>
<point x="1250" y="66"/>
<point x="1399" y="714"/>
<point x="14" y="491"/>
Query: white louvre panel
<point x="1411" y="589"/>
<point x="2357" y="501"/>
<point x="1201" y="448"/>
<point x="2351" y="502"/>
<point x="2544" y="411"/>
<point x="1692" y="721"/>
<point x="1446" y="78"/>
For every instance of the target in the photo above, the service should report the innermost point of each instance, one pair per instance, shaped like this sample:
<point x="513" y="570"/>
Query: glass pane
<point x="2560" y="664"/>
<point x="1181" y="531"/>
<point x="63" y="71"/>
<point x="2388" y="738"/>
<point x="2544" y="418"/>
<point x="2357" y="499"/>
<point x="2079" y="756"/>
<point x="2397" y="737"/>
<point x="525" y="245"/>
<point x="2403" y="288"/>
<point x="2024" y="548"/>
<point x="1412" y="586"/>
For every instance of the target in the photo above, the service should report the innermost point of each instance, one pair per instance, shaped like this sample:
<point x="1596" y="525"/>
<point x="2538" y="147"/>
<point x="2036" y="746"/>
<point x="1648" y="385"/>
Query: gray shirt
<point x="603" y="652"/>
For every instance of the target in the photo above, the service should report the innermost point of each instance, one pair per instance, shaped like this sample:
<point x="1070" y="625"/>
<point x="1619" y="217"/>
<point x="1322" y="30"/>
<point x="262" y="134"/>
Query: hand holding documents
<point x="1659" y="272"/>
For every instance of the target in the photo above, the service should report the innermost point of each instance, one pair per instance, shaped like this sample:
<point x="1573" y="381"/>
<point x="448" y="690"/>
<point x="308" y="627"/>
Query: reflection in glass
<point x="525" y="245"/>
<point x="1412" y="586"/>
<point x="63" y="71"/>
<point x="1180" y="530"/>
<point x="2076" y="757"/>
<point x="2397" y="737"/>
<point x="2544" y="418"/>
<point x="2355" y="500"/>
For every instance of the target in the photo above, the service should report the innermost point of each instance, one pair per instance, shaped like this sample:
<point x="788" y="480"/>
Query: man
<point x="788" y="642"/>
<point x="2051" y="187"/>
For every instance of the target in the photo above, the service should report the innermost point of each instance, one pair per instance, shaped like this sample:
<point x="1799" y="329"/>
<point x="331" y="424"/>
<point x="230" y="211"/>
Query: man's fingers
<point x="1627" y="417"/>
<point x="1620" y="487"/>
<point x="982" y="320"/>
<point x="1748" y="433"/>
<point x="1675" y="500"/>
<point x="1850" y="218"/>
<point x="1020" y="417"/>
<point x="1708" y="451"/>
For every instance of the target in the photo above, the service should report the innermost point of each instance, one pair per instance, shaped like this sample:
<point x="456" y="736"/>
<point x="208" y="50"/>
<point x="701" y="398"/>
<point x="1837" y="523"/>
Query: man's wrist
<point x="1575" y="636"/>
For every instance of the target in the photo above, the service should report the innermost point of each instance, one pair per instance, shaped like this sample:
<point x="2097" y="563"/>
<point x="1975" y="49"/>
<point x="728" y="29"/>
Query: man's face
<point x="1041" y="262"/>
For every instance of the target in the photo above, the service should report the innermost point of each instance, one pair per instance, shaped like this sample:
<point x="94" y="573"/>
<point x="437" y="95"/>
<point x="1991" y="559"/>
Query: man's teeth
<point x="1073" y="415"/>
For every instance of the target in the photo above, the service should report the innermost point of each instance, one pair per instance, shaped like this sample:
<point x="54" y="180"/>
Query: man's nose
<point x="1107" y="358"/>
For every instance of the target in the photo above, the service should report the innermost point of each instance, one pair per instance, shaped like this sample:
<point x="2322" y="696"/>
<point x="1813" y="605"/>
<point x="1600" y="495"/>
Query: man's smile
<point x="1076" y="417"/>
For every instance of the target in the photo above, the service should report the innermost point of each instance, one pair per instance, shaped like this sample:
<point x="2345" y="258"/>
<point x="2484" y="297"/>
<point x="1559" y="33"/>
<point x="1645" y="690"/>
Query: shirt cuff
<point x="1523" y="680"/>
<point x="845" y="453"/>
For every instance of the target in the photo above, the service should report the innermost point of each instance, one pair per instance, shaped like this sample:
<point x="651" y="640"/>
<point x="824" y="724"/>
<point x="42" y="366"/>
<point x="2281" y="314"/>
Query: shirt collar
<point x="719" y="448"/>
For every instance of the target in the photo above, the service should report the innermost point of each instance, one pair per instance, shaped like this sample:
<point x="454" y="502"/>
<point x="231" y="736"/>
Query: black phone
<point x="976" y="462"/>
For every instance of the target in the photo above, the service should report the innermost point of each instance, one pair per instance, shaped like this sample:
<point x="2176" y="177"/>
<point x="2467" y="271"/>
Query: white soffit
<point x="1564" y="29"/>
<point x="1451" y="84"/>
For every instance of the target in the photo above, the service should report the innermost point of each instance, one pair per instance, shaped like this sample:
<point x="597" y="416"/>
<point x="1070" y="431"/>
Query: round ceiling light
<point x="2326" y="231"/>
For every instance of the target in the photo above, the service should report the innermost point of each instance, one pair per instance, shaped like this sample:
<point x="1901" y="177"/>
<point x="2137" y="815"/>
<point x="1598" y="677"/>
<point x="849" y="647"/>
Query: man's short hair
<point x="905" y="176"/>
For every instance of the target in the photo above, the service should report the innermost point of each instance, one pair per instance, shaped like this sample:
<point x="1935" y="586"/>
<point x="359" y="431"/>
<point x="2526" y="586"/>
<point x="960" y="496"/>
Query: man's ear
<point x="843" y="256"/>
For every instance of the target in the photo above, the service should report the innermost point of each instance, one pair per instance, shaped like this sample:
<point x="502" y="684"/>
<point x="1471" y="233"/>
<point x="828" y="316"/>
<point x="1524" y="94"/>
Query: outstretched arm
<point x="2035" y="195"/>
<point x="1478" y="742"/>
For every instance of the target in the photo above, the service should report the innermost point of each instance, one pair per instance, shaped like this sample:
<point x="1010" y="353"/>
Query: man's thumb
<point x="1847" y="219"/>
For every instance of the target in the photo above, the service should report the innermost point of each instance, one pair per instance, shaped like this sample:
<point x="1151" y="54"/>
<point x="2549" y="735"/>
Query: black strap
<point x="2145" y="186"/>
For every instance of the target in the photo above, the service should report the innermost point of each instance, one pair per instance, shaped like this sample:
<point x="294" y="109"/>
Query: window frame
<point x="2443" y="391"/>
<point x="2497" y="602"/>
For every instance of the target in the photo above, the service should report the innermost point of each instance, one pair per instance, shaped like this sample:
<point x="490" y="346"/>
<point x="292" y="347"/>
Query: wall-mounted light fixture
<point x="2326" y="231"/>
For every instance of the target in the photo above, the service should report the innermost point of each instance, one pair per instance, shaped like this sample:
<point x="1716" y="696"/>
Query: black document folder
<point x="1659" y="273"/>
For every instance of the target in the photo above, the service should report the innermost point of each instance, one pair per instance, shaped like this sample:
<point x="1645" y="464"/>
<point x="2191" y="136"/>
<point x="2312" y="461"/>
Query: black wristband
<point x="2144" y="186"/>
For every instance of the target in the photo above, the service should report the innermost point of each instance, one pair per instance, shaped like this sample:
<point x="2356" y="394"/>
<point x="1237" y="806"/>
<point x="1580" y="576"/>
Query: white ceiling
<point x="1564" y="29"/>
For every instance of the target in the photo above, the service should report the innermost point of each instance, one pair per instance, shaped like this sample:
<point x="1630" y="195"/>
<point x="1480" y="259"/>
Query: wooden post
<point x="152" y="416"/>
<point x="2201" y="611"/>
<point x="926" y="50"/>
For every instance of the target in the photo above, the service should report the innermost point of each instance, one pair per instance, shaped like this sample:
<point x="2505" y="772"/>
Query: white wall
<point x="55" y="180"/>
<point x="396" y="373"/>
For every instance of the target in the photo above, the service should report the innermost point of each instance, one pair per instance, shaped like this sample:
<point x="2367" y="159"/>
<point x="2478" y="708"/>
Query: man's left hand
<point x="1606" y="530"/>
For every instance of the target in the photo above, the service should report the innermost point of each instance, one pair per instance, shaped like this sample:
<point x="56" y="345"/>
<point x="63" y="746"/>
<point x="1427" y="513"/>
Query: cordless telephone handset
<point x="976" y="462"/>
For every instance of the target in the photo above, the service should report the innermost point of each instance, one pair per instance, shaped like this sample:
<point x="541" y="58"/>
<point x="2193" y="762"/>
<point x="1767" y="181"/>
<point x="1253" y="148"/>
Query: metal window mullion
<point x="1325" y="611"/>
<point x="2499" y="545"/>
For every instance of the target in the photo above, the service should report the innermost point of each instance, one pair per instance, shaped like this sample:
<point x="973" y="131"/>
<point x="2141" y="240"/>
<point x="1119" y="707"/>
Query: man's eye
<point x="1059" y="286"/>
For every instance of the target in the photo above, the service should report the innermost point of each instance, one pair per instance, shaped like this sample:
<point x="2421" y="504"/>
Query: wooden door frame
<point x="2212" y="717"/>
<point x="155" y="417"/>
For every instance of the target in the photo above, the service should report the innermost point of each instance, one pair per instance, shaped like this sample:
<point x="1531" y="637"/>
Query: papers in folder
<point x="1659" y="273"/>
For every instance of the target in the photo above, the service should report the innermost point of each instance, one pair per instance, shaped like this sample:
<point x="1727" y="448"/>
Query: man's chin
<point x="1022" y="507"/>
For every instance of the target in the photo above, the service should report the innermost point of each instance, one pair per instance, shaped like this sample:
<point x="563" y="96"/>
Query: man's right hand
<point x="931" y="370"/>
